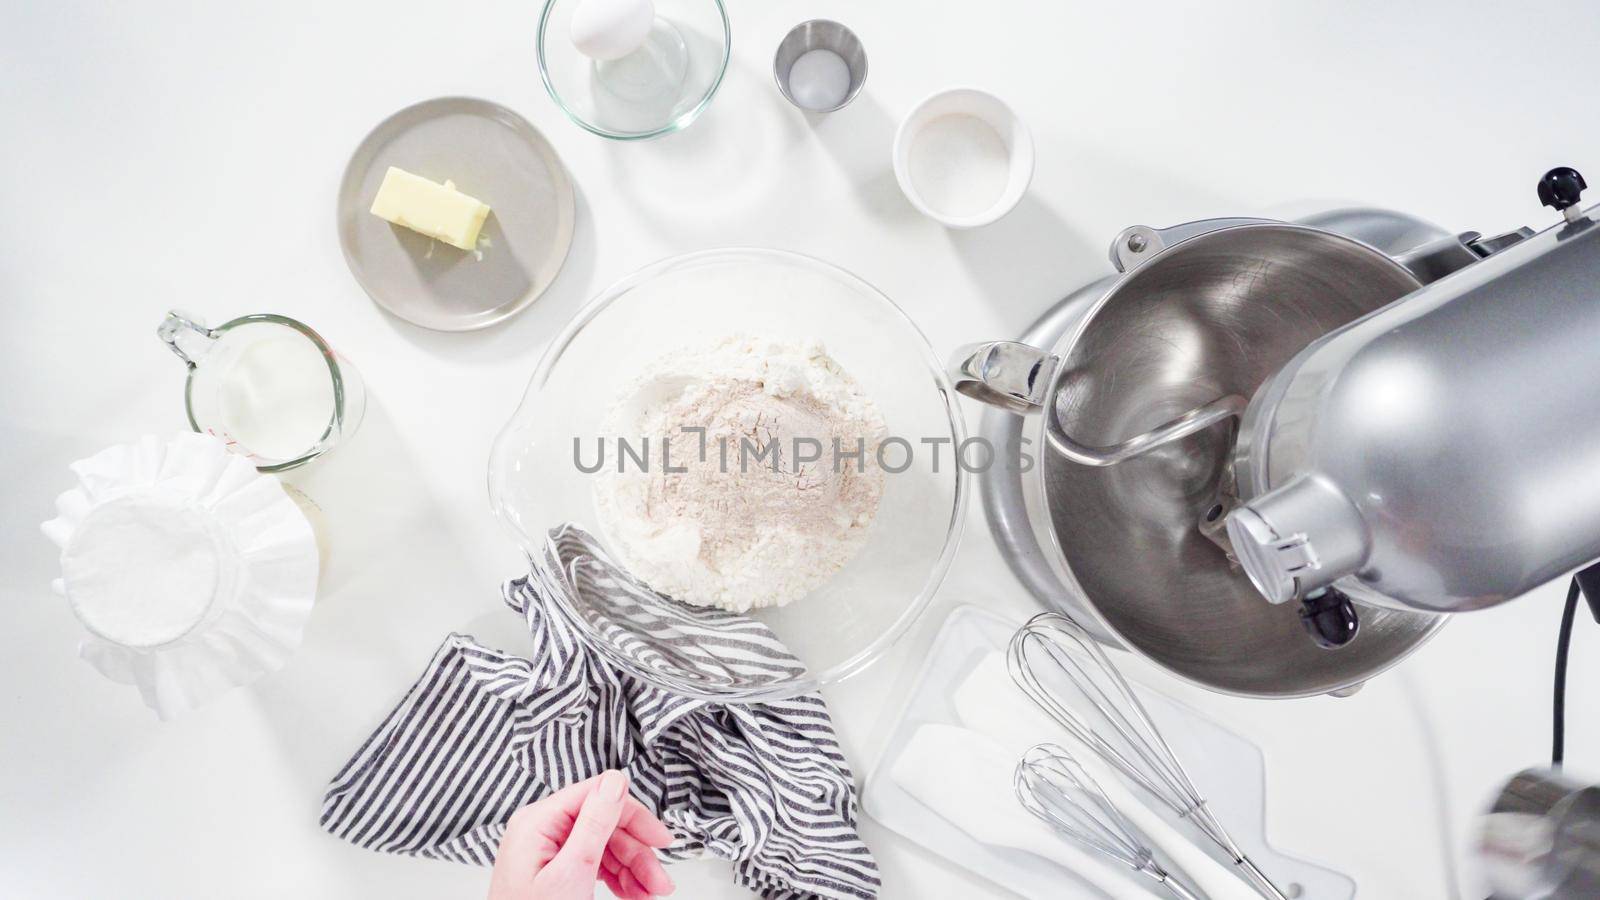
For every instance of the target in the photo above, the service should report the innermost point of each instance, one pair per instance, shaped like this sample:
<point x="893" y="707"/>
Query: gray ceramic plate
<point x="492" y="154"/>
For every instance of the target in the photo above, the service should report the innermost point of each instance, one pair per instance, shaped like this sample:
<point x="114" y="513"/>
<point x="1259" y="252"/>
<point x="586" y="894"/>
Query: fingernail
<point x="613" y="785"/>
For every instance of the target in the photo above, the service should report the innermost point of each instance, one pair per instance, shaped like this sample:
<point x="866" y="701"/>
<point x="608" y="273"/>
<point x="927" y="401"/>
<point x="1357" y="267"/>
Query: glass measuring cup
<point x="269" y="386"/>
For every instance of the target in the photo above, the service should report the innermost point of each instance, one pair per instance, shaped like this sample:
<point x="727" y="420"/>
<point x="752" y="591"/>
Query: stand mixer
<point x="1359" y="412"/>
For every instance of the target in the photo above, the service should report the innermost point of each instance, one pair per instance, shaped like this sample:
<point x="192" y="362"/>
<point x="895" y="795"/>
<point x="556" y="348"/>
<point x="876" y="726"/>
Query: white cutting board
<point x="1228" y="770"/>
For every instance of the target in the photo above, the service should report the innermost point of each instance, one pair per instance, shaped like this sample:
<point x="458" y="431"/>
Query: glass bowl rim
<point x="678" y="123"/>
<point x="811" y="681"/>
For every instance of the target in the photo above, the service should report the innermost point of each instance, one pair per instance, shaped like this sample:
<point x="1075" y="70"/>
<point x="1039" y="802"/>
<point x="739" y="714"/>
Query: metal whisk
<point x="1054" y="647"/>
<point x="1055" y="788"/>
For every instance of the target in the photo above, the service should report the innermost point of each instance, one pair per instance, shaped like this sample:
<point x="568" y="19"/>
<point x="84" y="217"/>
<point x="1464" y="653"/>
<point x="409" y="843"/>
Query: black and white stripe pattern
<point x="697" y="647"/>
<point x="482" y="733"/>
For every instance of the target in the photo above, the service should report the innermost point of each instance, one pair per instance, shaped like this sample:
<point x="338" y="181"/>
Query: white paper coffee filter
<point x="191" y="572"/>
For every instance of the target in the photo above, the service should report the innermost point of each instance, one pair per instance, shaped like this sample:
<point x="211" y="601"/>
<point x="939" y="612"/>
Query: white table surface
<point x="160" y="154"/>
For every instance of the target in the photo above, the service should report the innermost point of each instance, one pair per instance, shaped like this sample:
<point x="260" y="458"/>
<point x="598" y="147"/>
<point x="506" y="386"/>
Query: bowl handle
<point x="1014" y="376"/>
<point x="1010" y="375"/>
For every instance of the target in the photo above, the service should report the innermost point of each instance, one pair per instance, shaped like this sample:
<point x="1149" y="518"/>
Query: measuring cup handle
<point x="187" y="336"/>
<point x="1197" y="419"/>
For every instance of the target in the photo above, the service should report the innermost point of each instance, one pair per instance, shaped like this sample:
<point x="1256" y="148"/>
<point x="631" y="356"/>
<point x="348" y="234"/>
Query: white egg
<point x="611" y="29"/>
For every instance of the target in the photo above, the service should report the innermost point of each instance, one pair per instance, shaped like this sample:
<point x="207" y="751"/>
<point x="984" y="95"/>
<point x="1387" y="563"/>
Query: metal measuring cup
<point x="820" y="34"/>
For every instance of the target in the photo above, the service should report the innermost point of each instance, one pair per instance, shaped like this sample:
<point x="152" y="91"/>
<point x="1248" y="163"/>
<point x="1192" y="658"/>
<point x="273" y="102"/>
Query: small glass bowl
<point x="658" y="89"/>
<point x="846" y="623"/>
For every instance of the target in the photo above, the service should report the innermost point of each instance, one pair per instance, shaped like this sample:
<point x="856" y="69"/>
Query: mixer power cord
<point x="1587" y="585"/>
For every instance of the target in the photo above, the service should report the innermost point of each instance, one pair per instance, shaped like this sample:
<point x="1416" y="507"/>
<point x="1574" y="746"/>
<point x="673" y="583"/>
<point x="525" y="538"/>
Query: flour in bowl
<point x="773" y="497"/>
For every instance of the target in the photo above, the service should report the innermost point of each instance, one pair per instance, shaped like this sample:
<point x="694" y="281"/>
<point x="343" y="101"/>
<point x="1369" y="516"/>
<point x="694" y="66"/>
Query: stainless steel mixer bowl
<point x="1212" y="315"/>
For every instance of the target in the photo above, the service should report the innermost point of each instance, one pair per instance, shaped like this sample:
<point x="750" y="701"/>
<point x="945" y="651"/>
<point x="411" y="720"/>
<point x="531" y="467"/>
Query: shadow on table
<point x="1027" y="261"/>
<point x="722" y="175"/>
<point x="1444" y="812"/>
<point x="860" y="138"/>
<point x="395" y="583"/>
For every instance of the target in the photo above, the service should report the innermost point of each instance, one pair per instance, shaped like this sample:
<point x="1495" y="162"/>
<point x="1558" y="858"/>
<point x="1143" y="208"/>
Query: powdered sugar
<point x="774" y="496"/>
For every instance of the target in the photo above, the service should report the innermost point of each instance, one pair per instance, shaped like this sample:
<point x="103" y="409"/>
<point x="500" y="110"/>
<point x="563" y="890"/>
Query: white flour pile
<point x="730" y="531"/>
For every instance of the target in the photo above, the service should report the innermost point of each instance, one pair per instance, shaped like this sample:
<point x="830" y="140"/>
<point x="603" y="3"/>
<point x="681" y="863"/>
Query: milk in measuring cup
<point x="267" y="385"/>
<point x="275" y="397"/>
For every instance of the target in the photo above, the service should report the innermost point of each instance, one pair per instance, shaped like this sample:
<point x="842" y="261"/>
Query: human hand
<point x="558" y="847"/>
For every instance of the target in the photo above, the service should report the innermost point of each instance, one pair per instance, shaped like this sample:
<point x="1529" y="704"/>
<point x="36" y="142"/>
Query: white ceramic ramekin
<point x="988" y="108"/>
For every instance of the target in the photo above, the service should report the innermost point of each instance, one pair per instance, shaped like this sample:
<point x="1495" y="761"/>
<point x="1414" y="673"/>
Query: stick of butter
<point x="426" y="207"/>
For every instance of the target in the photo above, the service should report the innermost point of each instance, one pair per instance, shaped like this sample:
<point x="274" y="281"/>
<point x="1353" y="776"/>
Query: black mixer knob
<point x="1330" y="618"/>
<point x="1561" y="187"/>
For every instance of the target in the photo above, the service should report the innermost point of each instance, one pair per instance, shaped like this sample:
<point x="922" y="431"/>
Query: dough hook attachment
<point x="1016" y="377"/>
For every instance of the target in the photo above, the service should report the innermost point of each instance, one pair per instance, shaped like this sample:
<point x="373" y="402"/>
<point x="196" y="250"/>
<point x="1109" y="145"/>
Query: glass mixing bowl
<point x="839" y="628"/>
<point x="655" y="90"/>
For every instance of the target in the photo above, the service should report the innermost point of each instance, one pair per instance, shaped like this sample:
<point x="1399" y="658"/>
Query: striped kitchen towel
<point x="482" y="733"/>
